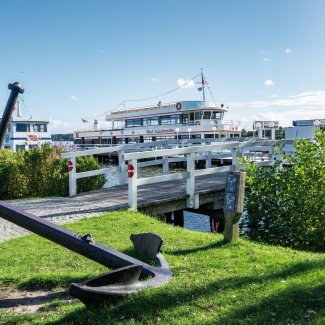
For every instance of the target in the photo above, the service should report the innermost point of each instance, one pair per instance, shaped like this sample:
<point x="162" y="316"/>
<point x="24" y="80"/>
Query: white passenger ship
<point x="181" y="120"/>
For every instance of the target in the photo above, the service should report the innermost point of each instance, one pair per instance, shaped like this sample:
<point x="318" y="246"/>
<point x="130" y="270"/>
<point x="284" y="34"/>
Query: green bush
<point x="41" y="172"/>
<point x="286" y="206"/>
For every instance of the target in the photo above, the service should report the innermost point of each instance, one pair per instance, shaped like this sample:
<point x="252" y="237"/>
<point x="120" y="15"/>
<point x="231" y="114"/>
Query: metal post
<point x="16" y="89"/>
<point x="133" y="187"/>
<point x="73" y="178"/>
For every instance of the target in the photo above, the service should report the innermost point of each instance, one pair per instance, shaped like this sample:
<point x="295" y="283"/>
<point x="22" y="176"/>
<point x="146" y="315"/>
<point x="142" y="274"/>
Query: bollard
<point x="233" y="204"/>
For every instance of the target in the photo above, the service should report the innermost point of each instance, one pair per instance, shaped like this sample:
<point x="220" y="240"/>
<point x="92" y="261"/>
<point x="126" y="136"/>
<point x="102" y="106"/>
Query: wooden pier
<point x="201" y="190"/>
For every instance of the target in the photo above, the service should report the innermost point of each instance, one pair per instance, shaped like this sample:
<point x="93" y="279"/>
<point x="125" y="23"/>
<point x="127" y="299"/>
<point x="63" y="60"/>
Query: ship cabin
<point x="181" y="120"/>
<point x="26" y="133"/>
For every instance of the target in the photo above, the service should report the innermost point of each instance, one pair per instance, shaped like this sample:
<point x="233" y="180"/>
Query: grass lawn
<point x="239" y="283"/>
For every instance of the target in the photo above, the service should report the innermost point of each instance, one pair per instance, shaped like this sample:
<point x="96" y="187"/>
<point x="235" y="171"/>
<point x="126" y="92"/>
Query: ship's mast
<point x="203" y="84"/>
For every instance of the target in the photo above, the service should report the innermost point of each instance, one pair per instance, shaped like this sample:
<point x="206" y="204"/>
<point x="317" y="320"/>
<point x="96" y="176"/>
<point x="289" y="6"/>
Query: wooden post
<point x="179" y="218"/>
<point x="208" y="160"/>
<point x="165" y="165"/>
<point x="190" y="181"/>
<point x="73" y="177"/>
<point x="233" y="205"/>
<point x="133" y="187"/>
<point x="122" y="166"/>
<point x="234" y="157"/>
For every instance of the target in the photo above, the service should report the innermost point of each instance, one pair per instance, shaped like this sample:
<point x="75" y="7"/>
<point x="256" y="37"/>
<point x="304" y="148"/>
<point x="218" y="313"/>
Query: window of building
<point x="40" y="127"/>
<point x="20" y="147"/>
<point x="22" y="127"/>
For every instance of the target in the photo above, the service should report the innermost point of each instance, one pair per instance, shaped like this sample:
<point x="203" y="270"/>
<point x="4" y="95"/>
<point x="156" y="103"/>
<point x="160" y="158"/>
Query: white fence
<point x="261" y="152"/>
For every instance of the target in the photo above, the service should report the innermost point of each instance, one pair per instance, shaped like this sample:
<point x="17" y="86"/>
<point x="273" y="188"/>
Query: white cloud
<point x="265" y="59"/>
<point x="59" y="126"/>
<point x="287" y="51"/>
<point x="305" y="105"/>
<point x="265" y="52"/>
<point x="74" y="98"/>
<point x="185" y="83"/>
<point x="268" y="82"/>
<point x="154" y="79"/>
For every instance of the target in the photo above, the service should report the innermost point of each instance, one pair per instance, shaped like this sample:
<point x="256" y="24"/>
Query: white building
<point x="303" y="129"/>
<point x="25" y="133"/>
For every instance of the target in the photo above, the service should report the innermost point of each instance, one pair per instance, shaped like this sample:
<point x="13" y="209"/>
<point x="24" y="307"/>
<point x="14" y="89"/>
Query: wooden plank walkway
<point x="153" y="199"/>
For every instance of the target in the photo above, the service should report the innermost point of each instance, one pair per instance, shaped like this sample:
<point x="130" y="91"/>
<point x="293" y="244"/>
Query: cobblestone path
<point x="59" y="210"/>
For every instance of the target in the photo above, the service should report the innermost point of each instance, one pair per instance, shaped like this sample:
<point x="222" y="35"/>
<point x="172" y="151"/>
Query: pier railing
<point x="261" y="152"/>
<point x="119" y="151"/>
<point x="170" y="151"/>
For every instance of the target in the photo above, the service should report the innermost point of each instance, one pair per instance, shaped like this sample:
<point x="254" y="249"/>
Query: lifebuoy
<point x="197" y="123"/>
<point x="178" y="106"/>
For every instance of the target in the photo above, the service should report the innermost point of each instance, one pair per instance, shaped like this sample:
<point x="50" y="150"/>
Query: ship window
<point x="22" y="127"/>
<point x="216" y="115"/>
<point x="146" y="121"/>
<point x="133" y="122"/>
<point x="184" y="118"/>
<point x="198" y="115"/>
<point x="175" y="119"/>
<point x="154" y="121"/>
<point x="206" y="115"/>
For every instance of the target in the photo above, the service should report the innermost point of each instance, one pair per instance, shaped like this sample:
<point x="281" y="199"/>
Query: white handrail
<point x="263" y="149"/>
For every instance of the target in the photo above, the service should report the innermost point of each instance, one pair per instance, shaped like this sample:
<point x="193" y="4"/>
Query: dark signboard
<point x="231" y="193"/>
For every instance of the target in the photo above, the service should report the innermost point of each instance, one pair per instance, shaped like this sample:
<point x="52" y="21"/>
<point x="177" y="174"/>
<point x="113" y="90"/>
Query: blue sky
<point x="80" y="58"/>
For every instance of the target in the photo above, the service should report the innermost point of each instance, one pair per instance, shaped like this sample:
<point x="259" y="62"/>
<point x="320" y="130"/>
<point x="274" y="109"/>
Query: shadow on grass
<point x="292" y="305"/>
<point x="33" y="298"/>
<point x="217" y="244"/>
<point x="294" y="301"/>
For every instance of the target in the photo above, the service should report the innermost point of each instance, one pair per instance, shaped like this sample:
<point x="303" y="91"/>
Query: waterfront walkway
<point x="86" y="205"/>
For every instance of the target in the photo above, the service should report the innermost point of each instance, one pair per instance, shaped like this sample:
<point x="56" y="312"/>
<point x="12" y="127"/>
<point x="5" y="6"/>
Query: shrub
<point x="286" y="206"/>
<point x="41" y="172"/>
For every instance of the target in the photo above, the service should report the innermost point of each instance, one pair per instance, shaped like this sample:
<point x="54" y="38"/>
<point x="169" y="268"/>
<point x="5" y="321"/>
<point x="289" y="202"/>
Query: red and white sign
<point x="131" y="170"/>
<point x="70" y="166"/>
<point x="32" y="137"/>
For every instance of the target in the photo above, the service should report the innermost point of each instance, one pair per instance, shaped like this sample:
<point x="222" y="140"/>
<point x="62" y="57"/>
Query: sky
<point x="81" y="58"/>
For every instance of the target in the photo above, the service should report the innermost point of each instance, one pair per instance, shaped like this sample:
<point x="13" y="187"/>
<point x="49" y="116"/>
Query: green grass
<point x="213" y="283"/>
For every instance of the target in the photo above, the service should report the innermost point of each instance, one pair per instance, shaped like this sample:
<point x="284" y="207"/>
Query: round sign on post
<point x="131" y="170"/>
<point x="70" y="166"/>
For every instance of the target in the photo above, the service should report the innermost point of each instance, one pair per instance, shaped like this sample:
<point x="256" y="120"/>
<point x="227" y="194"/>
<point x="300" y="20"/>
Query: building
<point x="303" y="129"/>
<point x="25" y="133"/>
